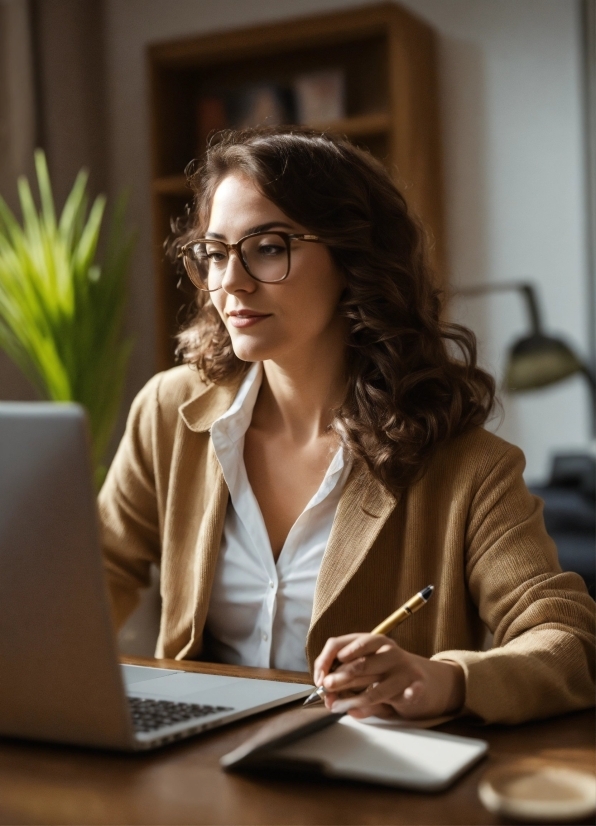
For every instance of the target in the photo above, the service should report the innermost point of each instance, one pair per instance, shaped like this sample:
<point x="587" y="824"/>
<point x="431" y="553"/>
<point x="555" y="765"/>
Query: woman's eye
<point x="214" y="256"/>
<point x="270" y="250"/>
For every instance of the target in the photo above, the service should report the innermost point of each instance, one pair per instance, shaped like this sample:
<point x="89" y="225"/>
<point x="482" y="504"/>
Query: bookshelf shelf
<point x="358" y="126"/>
<point x="387" y="58"/>
<point x="378" y="123"/>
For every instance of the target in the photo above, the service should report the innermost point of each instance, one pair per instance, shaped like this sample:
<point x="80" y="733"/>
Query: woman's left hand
<point x="388" y="679"/>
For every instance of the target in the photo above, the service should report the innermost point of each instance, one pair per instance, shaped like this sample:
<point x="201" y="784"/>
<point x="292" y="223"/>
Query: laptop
<point x="61" y="679"/>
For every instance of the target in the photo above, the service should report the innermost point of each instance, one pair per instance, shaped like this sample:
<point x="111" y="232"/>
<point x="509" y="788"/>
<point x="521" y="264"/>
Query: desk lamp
<point x="537" y="360"/>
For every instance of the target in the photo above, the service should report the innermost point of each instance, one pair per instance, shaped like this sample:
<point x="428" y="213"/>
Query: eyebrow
<point x="250" y="230"/>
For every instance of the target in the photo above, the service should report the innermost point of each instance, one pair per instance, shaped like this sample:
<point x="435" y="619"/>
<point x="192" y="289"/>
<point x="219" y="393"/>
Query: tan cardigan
<point x="469" y="526"/>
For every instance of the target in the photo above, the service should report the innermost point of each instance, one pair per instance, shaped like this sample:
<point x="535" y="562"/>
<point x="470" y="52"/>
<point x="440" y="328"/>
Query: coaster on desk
<point x="551" y="794"/>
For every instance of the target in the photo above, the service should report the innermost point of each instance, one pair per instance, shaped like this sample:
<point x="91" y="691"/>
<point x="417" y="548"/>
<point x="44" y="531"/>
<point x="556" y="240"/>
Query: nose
<point x="236" y="279"/>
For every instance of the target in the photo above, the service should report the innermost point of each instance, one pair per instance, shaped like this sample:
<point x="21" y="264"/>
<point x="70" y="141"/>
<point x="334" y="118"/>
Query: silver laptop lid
<point x="60" y="675"/>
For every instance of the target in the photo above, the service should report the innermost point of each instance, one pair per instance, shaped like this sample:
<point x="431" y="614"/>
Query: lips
<point x="246" y="318"/>
<point x="246" y="313"/>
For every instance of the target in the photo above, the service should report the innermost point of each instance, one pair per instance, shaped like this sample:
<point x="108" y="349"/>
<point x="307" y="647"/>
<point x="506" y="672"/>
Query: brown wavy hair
<point x="413" y="378"/>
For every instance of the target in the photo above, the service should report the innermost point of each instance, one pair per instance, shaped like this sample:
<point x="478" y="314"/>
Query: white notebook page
<point x="393" y="755"/>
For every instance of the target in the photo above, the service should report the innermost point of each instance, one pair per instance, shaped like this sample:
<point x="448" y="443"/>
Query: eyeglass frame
<point x="287" y="238"/>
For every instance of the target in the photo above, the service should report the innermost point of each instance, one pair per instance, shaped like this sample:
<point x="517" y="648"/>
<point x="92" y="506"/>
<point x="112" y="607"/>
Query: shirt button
<point x="271" y="584"/>
<point x="265" y="637"/>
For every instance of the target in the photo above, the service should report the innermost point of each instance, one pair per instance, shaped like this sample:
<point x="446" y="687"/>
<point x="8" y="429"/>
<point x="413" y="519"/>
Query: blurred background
<point x="482" y="109"/>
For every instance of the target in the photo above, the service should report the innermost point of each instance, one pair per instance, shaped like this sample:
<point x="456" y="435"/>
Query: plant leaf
<point x="62" y="310"/>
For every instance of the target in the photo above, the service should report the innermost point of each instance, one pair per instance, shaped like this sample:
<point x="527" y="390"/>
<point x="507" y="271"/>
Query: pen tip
<point x="426" y="593"/>
<point x="313" y="698"/>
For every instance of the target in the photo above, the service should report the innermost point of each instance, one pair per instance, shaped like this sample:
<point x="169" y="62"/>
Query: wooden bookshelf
<point x="388" y="58"/>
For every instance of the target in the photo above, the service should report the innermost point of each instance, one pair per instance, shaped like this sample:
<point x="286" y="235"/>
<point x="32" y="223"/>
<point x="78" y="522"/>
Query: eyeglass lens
<point x="265" y="257"/>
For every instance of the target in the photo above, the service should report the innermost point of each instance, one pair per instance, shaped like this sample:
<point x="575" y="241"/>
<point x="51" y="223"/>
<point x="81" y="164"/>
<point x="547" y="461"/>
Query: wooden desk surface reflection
<point x="183" y="783"/>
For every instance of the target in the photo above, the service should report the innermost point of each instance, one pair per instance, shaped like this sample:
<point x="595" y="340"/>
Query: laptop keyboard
<point x="149" y="715"/>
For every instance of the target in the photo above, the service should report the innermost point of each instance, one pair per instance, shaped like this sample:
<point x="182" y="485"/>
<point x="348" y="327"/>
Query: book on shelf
<point x="320" y="96"/>
<point x="311" y="98"/>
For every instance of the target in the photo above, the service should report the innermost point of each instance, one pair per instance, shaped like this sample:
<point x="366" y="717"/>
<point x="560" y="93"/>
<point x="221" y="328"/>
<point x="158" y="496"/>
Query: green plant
<point x="62" y="312"/>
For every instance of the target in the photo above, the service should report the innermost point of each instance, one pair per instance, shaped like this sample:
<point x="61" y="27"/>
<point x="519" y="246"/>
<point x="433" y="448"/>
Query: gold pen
<point x="407" y="609"/>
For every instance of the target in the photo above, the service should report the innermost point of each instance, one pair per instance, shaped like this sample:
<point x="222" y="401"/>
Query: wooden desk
<point x="183" y="783"/>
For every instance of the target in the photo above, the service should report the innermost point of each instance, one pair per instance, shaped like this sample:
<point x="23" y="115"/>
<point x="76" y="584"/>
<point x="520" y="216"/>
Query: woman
<point x="319" y="458"/>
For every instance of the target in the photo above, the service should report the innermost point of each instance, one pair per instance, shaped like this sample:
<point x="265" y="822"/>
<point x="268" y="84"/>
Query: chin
<point x="251" y="350"/>
<point x="264" y="345"/>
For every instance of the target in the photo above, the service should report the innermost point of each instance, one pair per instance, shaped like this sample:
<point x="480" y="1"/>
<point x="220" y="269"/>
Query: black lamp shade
<point x="538" y="360"/>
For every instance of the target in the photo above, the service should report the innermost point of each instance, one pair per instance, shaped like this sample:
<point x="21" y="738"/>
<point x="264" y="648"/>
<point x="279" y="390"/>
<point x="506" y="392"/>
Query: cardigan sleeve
<point x="128" y="510"/>
<point x="542" y="620"/>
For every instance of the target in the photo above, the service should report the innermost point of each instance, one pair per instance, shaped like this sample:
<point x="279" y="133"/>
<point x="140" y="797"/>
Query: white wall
<point x="514" y="146"/>
<point x="511" y="99"/>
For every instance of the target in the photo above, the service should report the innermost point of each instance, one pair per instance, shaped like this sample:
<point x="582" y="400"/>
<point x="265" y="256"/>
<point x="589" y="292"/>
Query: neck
<point x="298" y="396"/>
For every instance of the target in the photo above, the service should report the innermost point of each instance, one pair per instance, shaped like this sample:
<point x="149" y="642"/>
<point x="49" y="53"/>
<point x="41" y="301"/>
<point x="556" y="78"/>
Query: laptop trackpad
<point x="180" y="686"/>
<point x="133" y="674"/>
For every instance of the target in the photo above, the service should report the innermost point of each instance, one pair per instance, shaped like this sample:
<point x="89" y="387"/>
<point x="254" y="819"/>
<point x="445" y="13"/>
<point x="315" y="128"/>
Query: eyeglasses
<point x="264" y="255"/>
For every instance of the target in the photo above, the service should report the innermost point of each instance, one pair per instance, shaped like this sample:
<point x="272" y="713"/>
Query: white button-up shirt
<point x="259" y="612"/>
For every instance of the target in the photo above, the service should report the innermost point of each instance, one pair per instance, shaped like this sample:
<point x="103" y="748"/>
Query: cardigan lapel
<point x="363" y="509"/>
<point x="207" y="405"/>
<point x="207" y="500"/>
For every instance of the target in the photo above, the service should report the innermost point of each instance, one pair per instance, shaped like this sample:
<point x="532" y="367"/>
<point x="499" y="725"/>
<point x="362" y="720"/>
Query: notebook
<point x="314" y="742"/>
<point x="61" y="680"/>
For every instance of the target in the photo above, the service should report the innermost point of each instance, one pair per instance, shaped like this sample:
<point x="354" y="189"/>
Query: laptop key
<point x="149" y="715"/>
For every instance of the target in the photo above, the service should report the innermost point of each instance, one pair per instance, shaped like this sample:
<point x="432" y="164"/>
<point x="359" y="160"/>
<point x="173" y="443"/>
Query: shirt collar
<point x="338" y="470"/>
<point x="235" y="421"/>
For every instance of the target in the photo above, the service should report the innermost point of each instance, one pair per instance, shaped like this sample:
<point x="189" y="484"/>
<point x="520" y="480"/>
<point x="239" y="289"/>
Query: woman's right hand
<point x="378" y="678"/>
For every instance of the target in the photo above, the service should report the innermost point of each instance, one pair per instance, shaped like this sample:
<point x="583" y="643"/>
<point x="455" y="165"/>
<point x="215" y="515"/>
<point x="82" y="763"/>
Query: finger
<point x="362" y="645"/>
<point x="348" y="683"/>
<point x="360" y="710"/>
<point x="331" y="697"/>
<point x="322" y="664"/>
<point x="386" y="690"/>
<point x="372" y="666"/>
<point x="381" y="710"/>
<point x="329" y="700"/>
<point x="345" y="705"/>
<point x="340" y="705"/>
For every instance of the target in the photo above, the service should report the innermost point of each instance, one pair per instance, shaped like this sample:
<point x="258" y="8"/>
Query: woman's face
<point x="276" y="321"/>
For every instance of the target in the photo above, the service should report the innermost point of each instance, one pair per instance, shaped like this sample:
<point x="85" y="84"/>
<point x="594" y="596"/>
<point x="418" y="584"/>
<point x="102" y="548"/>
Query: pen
<point x="407" y="609"/>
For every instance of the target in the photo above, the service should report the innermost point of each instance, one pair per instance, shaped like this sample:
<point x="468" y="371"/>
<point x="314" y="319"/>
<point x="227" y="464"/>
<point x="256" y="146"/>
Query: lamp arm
<point x="591" y="379"/>
<point x="527" y="290"/>
<point x="531" y="299"/>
